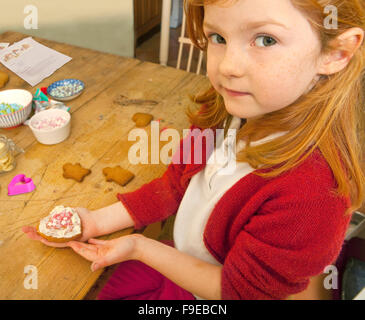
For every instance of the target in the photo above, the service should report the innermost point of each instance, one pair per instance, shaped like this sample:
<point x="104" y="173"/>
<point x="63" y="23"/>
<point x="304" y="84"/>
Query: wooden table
<point x="101" y="120"/>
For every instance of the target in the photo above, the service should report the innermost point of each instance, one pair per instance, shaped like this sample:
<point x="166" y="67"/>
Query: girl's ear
<point x="345" y="46"/>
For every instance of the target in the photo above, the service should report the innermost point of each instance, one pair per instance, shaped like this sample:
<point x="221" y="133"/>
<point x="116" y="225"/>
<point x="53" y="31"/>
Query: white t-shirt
<point x="204" y="191"/>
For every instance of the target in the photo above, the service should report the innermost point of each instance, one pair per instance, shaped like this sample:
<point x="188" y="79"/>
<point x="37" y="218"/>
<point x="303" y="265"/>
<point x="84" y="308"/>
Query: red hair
<point x="329" y="117"/>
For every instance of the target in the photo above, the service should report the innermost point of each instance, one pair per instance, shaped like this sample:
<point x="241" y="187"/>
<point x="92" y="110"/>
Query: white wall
<point x="96" y="24"/>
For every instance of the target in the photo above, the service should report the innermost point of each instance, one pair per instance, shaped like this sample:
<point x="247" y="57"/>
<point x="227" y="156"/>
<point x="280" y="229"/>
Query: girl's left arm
<point x="192" y="274"/>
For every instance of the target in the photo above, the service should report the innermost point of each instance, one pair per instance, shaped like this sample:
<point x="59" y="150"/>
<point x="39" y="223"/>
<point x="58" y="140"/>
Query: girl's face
<point x="265" y="48"/>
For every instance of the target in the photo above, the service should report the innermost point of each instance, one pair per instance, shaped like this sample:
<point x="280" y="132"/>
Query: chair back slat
<point x="184" y="40"/>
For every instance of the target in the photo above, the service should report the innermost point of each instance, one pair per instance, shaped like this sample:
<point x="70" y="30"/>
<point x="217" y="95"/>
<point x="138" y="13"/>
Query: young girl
<point x="291" y="86"/>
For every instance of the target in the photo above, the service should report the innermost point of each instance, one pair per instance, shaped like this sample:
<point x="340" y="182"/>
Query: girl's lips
<point x="236" y="93"/>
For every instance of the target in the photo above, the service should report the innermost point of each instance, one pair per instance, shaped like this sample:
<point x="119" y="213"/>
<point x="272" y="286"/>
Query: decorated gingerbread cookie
<point x="61" y="225"/>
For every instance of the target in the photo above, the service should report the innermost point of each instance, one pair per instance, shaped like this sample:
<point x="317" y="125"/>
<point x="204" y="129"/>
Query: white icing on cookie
<point x="62" y="222"/>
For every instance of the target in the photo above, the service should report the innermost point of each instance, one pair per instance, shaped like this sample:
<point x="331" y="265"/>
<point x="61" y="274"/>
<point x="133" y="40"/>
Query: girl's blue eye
<point x="216" y="38"/>
<point x="266" y="41"/>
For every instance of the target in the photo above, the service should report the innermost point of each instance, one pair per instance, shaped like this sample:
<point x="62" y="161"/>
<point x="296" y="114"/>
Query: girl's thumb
<point x="94" y="266"/>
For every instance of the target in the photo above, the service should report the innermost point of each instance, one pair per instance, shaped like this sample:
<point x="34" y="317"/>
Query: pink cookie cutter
<point x="20" y="184"/>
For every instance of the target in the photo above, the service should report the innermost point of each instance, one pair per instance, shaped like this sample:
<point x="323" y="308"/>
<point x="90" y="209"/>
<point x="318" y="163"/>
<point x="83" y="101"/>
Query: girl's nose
<point x="233" y="63"/>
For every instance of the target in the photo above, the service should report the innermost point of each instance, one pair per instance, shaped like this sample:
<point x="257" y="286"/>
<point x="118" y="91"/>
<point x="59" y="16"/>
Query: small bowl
<point x="19" y="96"/>
<point x="65" y="96"/>
<point x="55" y="135"/>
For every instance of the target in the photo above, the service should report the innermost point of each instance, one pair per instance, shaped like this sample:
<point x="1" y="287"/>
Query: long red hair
<point x="329" y="117"/>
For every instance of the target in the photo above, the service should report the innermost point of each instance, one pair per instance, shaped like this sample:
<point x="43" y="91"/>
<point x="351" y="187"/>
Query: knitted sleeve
<point x="293" y="237"/>
<point x="156" y="200"/>
<point x="160" y="198"/>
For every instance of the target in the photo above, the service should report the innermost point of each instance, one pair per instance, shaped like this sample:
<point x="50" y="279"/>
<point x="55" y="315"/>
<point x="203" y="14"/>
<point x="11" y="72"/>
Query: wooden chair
<point x="183" y="40"/>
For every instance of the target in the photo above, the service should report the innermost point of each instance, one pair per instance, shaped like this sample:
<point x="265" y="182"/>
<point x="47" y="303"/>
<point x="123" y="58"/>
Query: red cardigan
<point x="271" y="235"/>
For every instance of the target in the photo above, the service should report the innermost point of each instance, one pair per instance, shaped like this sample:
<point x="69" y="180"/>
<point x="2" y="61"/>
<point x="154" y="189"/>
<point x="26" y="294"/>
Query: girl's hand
<point x="88" y="227"/>
<point x="104" y="253"/>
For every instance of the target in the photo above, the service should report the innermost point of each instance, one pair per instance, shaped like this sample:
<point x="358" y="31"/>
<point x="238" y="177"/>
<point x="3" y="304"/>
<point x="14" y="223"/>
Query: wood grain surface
<point x="116" y="88"/>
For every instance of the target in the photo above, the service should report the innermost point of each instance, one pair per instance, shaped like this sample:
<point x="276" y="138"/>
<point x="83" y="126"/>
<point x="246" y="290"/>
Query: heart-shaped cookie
<point x="61" y="225"/>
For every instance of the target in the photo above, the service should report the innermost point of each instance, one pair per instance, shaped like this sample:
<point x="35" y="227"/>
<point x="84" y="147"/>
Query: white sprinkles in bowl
<point x="49" y="123"/>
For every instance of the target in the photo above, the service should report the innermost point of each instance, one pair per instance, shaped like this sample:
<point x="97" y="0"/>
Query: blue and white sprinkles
<point x="65" y="88"/>
<point x="8" y="108"/>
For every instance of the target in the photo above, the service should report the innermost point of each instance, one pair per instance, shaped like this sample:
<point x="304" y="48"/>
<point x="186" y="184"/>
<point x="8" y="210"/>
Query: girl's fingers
<point x="88" y="251"/>
<point x="100" y="263"/>
<point x="27" y="229"/>
<point x="33" y="234"/>
<point x="97" y="241"/>
<point x="95" y="266"/>
<point x="53" y="244"/>
<point x="81" y="245"/>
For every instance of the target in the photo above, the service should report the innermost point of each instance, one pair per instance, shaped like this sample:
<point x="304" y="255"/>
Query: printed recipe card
<point x="31" y="60"/>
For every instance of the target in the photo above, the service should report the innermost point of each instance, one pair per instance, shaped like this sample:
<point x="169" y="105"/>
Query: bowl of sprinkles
<point x="51" y="126"/>
<point x="66" y="89"/>
<point x="15" y="107"/>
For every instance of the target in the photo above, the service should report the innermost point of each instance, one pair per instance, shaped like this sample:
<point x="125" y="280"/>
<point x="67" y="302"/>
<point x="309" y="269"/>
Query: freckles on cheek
<point x="284" y="82"/>
<point x="277" y="90"/>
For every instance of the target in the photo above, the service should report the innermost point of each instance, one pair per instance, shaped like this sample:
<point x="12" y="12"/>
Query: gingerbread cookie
<point x="76" y="172"/>
<point x="142" y="119"/>
<point x="118" y="175"/>
<point x="61" y="225"/>
<point x="4" y="78"/>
